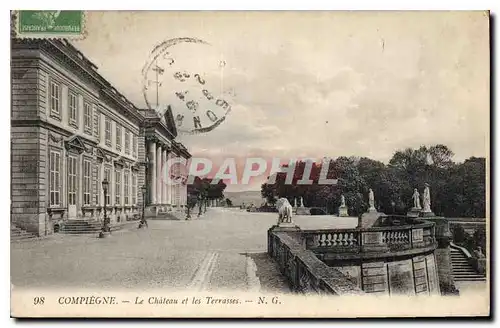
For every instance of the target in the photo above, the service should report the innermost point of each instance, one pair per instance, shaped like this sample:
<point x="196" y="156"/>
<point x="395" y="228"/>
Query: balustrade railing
<point x="376" y="239"/>
<point x="304" y="271"/>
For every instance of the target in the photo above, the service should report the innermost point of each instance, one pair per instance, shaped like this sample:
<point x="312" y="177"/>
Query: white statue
<point x="342" y="201"/>
<point x="301" y="202"/>
<point x="416" y="199"/>
<point x="294" y="202"/>
<point x="284" y="210"/>
<point x="343" y="207"/>
<point x="427" y="199"/>
<point x="371" y="199"/>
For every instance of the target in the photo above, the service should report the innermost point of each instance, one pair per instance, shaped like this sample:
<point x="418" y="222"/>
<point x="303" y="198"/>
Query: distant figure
<point x="342" y="201"/>
<point x="427" y="199"/>
<point x="284" y="210"/>
<point x="416" y="199"/>
<point x="371" y="200"/>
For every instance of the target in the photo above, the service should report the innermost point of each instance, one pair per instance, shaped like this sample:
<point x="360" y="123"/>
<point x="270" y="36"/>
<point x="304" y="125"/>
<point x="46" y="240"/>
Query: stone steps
<point x="79" y="227"/>
<point x="19" y="234"/>
<point x="461" y="269"/>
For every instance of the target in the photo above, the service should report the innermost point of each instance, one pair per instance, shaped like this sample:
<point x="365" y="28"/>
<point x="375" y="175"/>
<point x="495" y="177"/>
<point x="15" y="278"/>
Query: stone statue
<point x="416" y="199"/>
<point x="294" y="202"/>
<point x="301" y="202"/>
<point x="427" y="199"/>
<point x="343" y="208"/>
<point x="371" y="200"/>
<point x="284" y="211"/>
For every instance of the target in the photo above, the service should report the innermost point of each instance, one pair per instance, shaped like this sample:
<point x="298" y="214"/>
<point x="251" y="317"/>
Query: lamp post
<point x="200" y="204"/>
<point x="105" y="230"/>
<point x="143" y="217"/>
<point x="189" y="201"/>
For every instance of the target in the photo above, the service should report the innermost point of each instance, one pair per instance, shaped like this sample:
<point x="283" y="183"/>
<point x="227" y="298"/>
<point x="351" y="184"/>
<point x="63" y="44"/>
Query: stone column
<point x="164" y="184"/>
<point x="169" y="186"/>
<point x="159" y="180"/>
<point x="152" y="174"/>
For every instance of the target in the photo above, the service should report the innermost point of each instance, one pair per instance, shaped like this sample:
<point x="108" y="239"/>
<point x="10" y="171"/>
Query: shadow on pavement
<point x="271" y="279"/>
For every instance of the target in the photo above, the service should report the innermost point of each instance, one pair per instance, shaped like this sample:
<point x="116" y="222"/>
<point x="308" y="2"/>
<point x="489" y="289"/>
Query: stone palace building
<point x="70" y="129"/>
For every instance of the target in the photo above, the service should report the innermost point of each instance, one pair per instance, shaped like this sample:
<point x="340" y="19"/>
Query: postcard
<point x="260" y="164"/>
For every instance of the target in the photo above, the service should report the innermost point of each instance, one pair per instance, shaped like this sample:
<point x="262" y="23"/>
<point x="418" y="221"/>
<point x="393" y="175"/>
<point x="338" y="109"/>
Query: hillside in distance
<point x="248" y="197"/>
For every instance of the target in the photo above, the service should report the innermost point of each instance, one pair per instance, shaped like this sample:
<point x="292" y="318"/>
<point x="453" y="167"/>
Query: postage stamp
<point x="49" y="23"/>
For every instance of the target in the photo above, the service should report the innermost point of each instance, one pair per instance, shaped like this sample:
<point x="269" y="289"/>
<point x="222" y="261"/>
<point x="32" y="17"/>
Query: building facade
<point x="70" y="130"/>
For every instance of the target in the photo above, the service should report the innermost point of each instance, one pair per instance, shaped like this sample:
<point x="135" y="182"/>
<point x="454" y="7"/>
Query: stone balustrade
<point x="304" y="271"/>
<point x="395" y="256"/>
<point x="379" y="239"/>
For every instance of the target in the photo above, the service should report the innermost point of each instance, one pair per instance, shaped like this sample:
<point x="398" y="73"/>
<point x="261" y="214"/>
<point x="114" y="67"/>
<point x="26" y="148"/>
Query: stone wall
<point x="303" y="270"/>
<point x="416" y="275"/>
<point x="399" y="256"/>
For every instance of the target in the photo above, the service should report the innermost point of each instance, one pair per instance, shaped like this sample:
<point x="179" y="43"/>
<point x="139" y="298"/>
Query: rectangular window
<point x="55" y="98"/>
<point x="98" y="123"/>
<point x="55" y="178"/>
<point x="127" y="142"/>
<point x="118" y="176"/>
<point x="118" y="137"/>
<point x="107" y="131"/>
<point x="87" y="118"/>
<point x="134" y="189"/>
<point x="73" y="109"/>
<point x="107" y="176"/>
<point x="86" y="182"/>
<point x="125" y="188"/>
<point x="134" y="145"/>
<point x="72" y="180"/>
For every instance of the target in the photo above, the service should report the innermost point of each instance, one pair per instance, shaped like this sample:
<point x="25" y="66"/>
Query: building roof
<point x="72" y="56"/>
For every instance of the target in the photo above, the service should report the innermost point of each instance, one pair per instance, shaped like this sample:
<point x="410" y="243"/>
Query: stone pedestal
<point x="428" y="214"/>
<point x="369" y="219"/>
<point x="343" y="211"/>
<point x="442" y="253"/>
<point x="286" y="225"/>
<point x="414" y="212"/>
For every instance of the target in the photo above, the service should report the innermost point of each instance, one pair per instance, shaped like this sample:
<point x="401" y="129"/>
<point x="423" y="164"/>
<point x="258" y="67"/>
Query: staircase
<point x="81" y="226"/>
<point x="91" y="226"/>
<point x="19" y="234"/>
<point x="461" y="269"/>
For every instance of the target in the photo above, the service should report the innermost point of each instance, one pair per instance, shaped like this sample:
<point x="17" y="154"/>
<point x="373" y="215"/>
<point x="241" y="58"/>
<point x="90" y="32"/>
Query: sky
<point x="313" y="84"/>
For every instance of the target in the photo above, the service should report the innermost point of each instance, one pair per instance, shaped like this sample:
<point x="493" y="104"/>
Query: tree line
<point x="457" y="188"/>
<point x="202" y="190"/>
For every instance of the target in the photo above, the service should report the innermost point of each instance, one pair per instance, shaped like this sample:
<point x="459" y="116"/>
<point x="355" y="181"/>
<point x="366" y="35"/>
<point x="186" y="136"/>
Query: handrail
<point x="463" y="249"/>
<point x="371" y="229"/>
<point x="326" y="278"/>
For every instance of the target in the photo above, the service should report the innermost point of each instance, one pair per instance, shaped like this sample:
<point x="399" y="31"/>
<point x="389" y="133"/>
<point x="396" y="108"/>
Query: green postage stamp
<point x="49" y="23"/>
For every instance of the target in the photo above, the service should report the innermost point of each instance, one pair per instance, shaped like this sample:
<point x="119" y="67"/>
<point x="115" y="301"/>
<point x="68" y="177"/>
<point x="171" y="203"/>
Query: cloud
<point x="321" y="84"/>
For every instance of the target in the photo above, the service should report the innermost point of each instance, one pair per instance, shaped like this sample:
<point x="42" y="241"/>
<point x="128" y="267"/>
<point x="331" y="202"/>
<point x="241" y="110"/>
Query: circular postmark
<point x="187" y="74"/>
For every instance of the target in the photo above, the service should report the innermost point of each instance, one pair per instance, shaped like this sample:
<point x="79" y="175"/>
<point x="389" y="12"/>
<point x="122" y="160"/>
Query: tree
<point x="457" y="189"/>
<point x="440" y="156"/>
